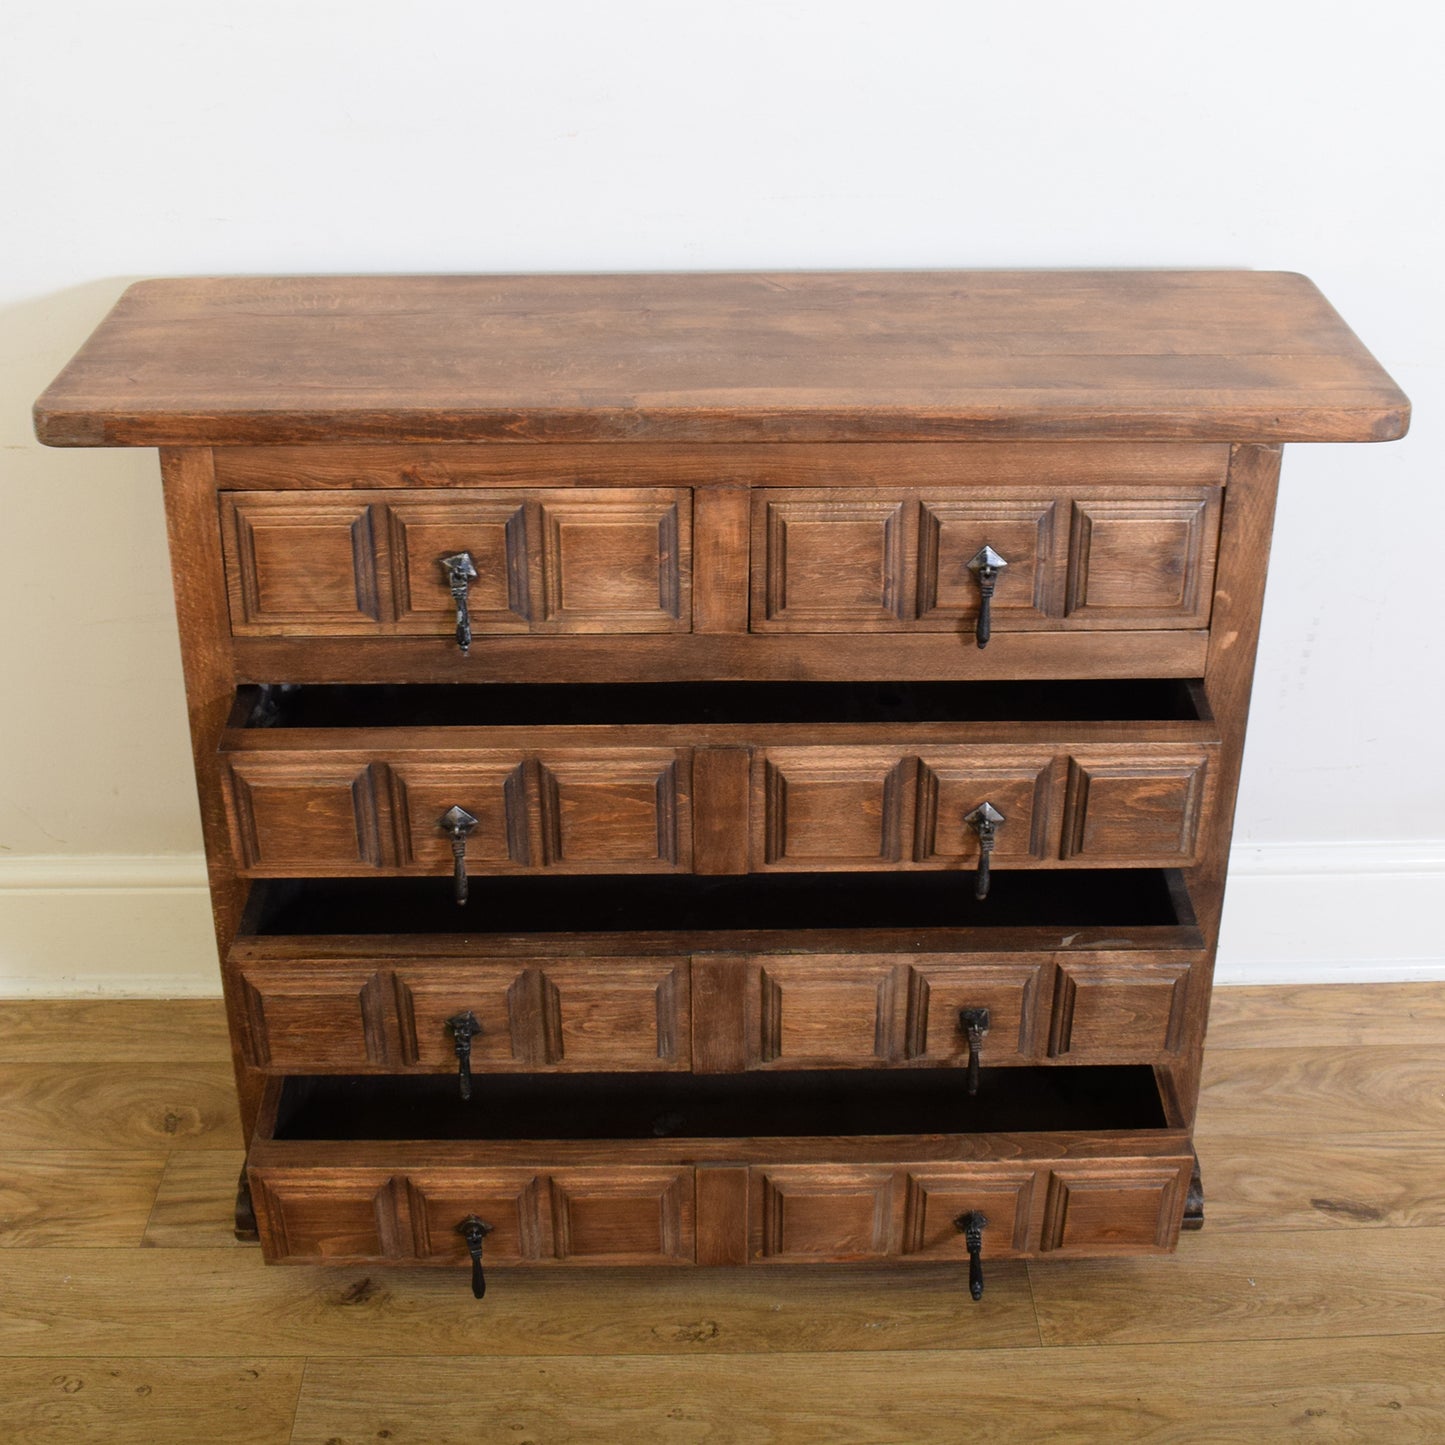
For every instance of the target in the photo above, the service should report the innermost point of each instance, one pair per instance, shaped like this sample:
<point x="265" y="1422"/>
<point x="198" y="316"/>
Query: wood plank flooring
<point x="1310" y="1308"/>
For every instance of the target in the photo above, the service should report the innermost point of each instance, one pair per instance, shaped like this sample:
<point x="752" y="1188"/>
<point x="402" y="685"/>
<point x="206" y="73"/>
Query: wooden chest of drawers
<point x="719" y="769"/>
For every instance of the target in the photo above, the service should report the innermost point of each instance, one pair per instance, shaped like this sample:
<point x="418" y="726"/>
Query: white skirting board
<point x="1296" y="913"/>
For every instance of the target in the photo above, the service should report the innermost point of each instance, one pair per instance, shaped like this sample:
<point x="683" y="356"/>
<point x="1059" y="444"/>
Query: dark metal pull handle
<point x="985" y="820"/>
<point x="464" y="1028"/>
<point x="986" y="566"/>
<point x="974" y="1022"/>
<point x="461" y="573"/>
<point x="457" y="823"/>
<point x="972" y="1226"/>
<point x="474" y="1231"/>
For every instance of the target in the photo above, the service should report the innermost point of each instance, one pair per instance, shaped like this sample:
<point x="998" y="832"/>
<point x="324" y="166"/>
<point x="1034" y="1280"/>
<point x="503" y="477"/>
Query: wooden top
<point x="811" y="356"/>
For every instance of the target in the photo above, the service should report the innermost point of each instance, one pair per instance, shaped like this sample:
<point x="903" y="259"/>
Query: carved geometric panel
<point x="493" y="529"/>
<point x="1143" y="560"/>
<point x="1114" y="1207"/>
<point x="427" y="997"/>
<point x="938" y="992"/>
<point x="293" y="563"/>
<point x="310" y="1019"/>
<point x="510" y="1200"/>
<point x="1019" y="529"/>
<point x="828" y="562"/>
<point x="624" y="809"/>
<point x="491" y="786"/>
<point x="1134" y="806"/>
<point x="1118" y="1007"/>
<point x="606" y="1014"/>
<point x="817" y="1212"/>
<point x="623" y="1215"/>
<point x="824" y="808"/>
<point x="821" y="1011"/>
<point x="303" y="815"/>
<point x="345" y="1214"/>
<point x="616" y="562"/>
<point x="938" y="1196"/>
<point x="952" y="782"/>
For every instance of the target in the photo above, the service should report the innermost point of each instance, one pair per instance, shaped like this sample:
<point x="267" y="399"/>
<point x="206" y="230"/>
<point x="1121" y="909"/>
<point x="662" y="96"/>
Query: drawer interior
<point x="1119" y="898"/>
<point x="718" y="703"/>
<point x="797" y="1105"/>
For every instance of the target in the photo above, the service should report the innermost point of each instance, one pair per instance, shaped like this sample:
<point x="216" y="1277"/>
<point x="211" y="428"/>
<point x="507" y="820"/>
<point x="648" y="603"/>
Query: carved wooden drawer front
<point x="713" y="1012"/>
<point x="1121" y="805"/>
<point x="814" y="1213"/>
<point x="547" y="560"/>
<point x="796" y="1213"/>
<point x="336" y="813"/>
<point x="658" y="1169"/>
<point x="723" y="796"/>
<point x="533" y="1015"/>
<point x="890" y="560"/>
<point x="577" y="1215"/>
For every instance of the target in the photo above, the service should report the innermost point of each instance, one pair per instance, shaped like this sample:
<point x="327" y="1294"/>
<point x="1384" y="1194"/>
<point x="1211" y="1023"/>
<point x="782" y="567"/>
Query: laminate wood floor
<point x="1310" y="1308"/>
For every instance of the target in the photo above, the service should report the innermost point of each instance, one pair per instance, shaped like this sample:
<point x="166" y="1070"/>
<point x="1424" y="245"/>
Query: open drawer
<point x="607" y="974"/>
<point x="811" y="1167"/>
<point x="718" y="778"/>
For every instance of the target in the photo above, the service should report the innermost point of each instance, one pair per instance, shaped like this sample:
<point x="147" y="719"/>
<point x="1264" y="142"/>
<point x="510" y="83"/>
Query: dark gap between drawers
<point x="614" y="704"/>
<point x="605" y="903"/>
<point x="807" y="1104"/>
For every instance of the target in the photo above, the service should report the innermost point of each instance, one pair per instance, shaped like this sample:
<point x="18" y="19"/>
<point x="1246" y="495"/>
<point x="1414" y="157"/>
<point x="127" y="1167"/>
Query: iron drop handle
<point x="461" y="573"/>
<point x="974" y="1022"/>
<point x="987" y="566"/>
<point x="474" y="1231"/>
<point x="464" y="1028"/>
<point x="457" y="824"/>
<point x="972" y="1225"/>
<point x="985" y="820"/>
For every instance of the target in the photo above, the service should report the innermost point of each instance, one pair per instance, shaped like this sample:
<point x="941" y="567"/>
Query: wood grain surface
<point x="1264" y="1286"/>
<point x="1323" y="1091"/>
<point x="1383" y="1180"/>
<point x="117" y="1106"/>
<point x="920" y="356"/>
<point x="118" y="1031"/>
<point x="75" y="1198"/>
<point x="149" y="1402"/>
<point x="1229" y="1392"/>
<point x="1322" y="1016"/>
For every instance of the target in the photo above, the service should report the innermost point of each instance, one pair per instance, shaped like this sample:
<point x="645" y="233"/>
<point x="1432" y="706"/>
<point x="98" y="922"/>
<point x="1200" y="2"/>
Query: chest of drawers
<point x="719" y="769"/>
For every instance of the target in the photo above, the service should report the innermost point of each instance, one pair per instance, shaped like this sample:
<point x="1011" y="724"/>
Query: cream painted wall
<point x="189" y="136"/>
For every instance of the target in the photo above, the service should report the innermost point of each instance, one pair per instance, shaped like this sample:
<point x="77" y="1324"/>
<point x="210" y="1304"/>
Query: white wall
<point x="190" y="136"/>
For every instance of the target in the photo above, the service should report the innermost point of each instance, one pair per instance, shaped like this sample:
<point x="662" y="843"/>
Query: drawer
<point x="623" y="991"/>
<point x="713" y="1013"/>
<point x="564" y="1014"/>
<point x="1069" y="558"/>
<point x="719" y="778"/>
<point x="328" y="811"/>
<point x="1120" y="804"/>
<point x="548" y="560"/>
<point x="725" y="1170"/>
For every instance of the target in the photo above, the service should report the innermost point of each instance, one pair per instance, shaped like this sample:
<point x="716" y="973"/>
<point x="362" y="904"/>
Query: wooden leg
<point x="1194" y="1200"/>
<point x="246" y="1230"/>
